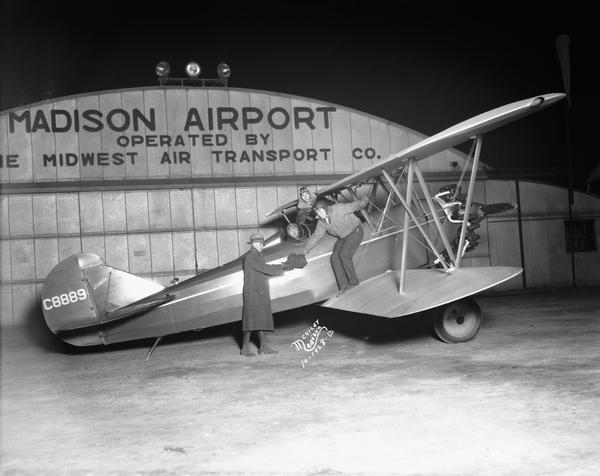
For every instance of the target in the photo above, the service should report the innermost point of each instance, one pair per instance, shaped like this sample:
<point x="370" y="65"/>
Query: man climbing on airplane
<point x="339" y="220"/>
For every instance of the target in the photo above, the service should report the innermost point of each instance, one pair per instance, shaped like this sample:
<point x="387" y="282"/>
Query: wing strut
<point x="362" y="211"/>
<point x="372" y="196"/>
<point x="465" y="222"/>
<point x="436" y="218"/>
<point x="414" y="218"/>
<point x="409" y="185"/>
<point x="388" y="203"/>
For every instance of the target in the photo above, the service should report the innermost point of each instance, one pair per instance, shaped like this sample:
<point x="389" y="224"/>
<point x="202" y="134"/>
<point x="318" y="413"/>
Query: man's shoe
<point x="267" y="349"/>
<point x="246" y="352"/>
<point x="350" y="286"/>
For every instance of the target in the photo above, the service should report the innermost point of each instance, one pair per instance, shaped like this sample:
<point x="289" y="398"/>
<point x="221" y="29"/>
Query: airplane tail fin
<point x="82" y="291"/>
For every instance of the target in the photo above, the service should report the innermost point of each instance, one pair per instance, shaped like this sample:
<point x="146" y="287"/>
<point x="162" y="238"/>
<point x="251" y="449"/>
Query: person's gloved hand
<point x="296" y="261"/>
<point x="286" y="266"/>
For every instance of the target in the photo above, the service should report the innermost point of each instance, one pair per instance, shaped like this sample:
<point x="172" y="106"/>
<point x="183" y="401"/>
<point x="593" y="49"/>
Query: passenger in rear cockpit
<point x="306" y="204"/>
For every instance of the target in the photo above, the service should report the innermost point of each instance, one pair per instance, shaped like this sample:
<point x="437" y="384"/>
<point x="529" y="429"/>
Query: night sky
<point x="425" y="65"/>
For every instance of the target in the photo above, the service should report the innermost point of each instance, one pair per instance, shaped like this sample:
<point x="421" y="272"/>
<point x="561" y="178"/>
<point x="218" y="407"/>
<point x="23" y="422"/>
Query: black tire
<point x="458" y="321"/>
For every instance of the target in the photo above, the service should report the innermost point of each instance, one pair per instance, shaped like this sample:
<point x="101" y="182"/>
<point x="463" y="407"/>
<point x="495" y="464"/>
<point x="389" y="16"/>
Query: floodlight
<point x="223" y="70"/>
<point x="192" y="69"/>
<point x="162" y="69"/>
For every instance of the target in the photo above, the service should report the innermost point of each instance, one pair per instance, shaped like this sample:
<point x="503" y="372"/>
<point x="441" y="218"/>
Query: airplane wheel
<point x="458" y="321"/>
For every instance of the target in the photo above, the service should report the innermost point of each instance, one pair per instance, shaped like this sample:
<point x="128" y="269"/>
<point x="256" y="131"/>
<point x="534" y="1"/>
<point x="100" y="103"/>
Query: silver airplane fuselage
<point x="215" y="297"/>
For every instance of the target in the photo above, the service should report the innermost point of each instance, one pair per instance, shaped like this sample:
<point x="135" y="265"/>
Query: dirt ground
<point x="380" y="397"/>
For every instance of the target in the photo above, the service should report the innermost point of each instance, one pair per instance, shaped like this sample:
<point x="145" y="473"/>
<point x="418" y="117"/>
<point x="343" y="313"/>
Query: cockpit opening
<point x="298" y="232"/>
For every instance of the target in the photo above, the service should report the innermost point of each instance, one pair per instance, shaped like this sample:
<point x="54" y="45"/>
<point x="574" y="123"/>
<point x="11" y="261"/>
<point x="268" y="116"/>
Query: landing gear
<point x="458" y="321"/>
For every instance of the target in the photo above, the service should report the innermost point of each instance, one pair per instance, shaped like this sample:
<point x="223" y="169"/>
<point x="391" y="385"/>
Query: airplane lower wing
<point x="425" y="289"/>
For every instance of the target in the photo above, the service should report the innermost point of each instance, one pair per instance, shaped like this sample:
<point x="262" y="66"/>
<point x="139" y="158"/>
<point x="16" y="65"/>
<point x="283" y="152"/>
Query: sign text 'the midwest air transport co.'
<point x="214" y="129"/>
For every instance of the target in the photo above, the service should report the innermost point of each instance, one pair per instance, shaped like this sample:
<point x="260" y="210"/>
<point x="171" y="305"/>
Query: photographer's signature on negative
<point x="312" y="341"/>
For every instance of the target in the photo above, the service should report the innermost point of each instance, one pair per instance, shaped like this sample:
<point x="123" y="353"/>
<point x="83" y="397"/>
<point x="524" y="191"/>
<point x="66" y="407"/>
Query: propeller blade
<point x="562" y="50"/>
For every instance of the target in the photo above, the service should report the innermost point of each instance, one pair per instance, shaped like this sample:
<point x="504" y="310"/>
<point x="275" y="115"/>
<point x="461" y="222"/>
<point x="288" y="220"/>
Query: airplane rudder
<point x="66" y="298"/>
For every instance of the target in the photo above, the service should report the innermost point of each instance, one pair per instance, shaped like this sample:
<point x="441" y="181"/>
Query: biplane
<point x="410" y="260"/>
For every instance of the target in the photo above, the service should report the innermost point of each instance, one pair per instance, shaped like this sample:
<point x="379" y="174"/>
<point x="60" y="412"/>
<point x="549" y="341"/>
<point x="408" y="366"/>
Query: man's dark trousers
<point x="341" y="258"/>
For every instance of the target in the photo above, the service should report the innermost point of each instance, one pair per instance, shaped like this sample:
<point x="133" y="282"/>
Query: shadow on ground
<point x="355" y="326"/>
<point x="375" y="330"/>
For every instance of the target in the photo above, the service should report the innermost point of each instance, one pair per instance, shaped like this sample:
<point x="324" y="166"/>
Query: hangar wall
<point x="165" y="181"/>
<point x="162" y="182"/>
<point x="533" y="236"/>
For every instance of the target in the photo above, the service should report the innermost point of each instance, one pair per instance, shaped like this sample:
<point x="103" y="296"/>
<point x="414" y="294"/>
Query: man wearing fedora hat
<point x="257" y="314"/>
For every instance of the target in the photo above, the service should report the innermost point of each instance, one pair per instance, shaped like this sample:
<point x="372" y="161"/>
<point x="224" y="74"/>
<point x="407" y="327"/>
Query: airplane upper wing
<point x="450" y="137"/>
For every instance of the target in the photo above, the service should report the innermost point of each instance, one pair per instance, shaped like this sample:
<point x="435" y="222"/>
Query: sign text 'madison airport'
<point x="121" y="120"/>
<point x="209" y="127"/>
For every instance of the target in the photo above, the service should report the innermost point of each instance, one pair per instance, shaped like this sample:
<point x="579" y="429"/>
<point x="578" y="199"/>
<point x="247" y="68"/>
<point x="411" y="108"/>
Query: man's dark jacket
<point x="257" y="315"/>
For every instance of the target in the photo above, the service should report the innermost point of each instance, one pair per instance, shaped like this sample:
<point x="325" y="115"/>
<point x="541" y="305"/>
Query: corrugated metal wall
<point x="160" y="234"/>
<point x="544" y="210"/>
<point x="156" y="234"/>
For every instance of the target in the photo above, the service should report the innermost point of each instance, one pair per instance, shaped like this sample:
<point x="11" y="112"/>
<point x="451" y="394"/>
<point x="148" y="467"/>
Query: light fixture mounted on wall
<point x="193" y="71"/>
<point x="223" y="71"/>
<point x="162" y="69"/>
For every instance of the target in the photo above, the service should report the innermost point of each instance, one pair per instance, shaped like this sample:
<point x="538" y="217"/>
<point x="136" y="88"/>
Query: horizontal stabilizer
<point x="425" y="289"/>
<point x="137" y="308"/>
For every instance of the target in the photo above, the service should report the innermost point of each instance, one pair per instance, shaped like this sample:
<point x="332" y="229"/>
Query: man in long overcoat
<point x="257" y="314"/>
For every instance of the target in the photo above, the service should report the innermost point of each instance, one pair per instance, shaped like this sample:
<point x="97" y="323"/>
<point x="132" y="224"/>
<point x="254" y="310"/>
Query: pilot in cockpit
<point x="306" y="204"/>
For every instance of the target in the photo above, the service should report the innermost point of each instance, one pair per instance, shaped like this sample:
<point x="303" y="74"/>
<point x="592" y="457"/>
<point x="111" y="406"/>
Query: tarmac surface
<point x="380" y="397"/>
